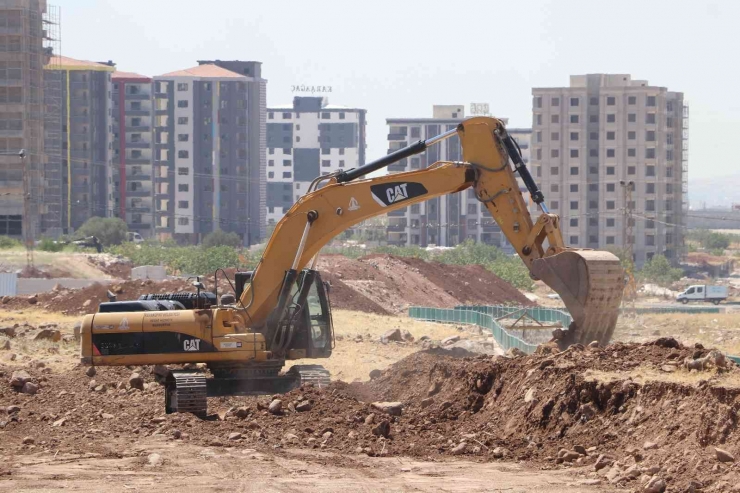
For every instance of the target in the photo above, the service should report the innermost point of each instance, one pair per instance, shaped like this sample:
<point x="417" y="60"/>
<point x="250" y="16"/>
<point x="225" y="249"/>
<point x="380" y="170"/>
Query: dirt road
<point x="190" y="468"/>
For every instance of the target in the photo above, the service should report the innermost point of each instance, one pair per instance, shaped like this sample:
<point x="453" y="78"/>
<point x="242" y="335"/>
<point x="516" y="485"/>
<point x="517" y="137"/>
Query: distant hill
<point x="714" y="192"/>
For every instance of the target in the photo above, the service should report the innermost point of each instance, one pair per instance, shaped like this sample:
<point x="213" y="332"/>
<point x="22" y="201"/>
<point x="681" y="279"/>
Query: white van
<point x="134" y="237"/>
<point x="703" y="292"/>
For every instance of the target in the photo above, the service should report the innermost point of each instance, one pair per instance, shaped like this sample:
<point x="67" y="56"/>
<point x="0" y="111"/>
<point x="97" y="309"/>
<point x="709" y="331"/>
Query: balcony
<point x="137" y="97"/>
<point x="138" y="193"/>
<point x="142" y="112"/>
<point x="396" y="228"/>
<point x="141" y="160"/>
<point x="138" y="128"/>
<point x="138" y="145"/>
<point x="138" y="177"/>
<point x="401" y="136"/>
<point x="139" y="227"/>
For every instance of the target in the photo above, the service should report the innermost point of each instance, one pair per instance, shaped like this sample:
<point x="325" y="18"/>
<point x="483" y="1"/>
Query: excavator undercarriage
<point x="280" y="311"/>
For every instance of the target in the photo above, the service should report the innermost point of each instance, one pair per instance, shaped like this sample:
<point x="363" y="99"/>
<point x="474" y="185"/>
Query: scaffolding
<point x="51" y="212"/>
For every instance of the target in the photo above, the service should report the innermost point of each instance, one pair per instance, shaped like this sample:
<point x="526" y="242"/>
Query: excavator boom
<point x="589" y="282"/>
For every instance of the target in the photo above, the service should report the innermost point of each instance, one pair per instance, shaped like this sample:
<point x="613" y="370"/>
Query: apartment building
<point x="305" y="140"/>
<point x="132" y="195"/>
<point x="209" y="136"/>
<point x="450" y="219"/>
<point x="86" y="137"/>
<point x="22" y="58"/>
<point x="605" y="147"/>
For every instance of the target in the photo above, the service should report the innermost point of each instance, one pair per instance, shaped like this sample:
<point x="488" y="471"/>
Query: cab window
<point x="690" y="291"/>
<point x="319" y="318"/>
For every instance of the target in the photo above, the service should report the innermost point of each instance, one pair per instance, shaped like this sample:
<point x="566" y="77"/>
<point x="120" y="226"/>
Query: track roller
<point x="185" y="392"/>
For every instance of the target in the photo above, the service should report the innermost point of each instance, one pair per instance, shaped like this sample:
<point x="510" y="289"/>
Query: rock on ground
<point x="276" y="406"/>
<point x="19" y="379"/>
<point x="392" y="408"/>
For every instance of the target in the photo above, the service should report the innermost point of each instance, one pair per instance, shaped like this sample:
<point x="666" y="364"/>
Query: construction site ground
<point x="629" y="417"/>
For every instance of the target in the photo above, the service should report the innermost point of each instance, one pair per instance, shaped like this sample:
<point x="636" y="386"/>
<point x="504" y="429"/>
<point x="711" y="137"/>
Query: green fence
<point x="485" y="316"/>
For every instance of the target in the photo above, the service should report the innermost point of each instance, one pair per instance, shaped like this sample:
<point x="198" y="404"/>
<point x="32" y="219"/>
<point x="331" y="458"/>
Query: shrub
<point x="221" y="238"/>
<point x="7" y="242"/>
<point x="108" y="230"/>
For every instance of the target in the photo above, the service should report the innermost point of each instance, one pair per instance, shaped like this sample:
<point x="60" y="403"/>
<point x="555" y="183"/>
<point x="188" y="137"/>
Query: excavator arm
<point x="589" y="282"/>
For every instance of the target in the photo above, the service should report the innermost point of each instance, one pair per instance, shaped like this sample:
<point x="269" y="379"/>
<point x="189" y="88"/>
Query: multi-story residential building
<point x="209" y="134"/>
<point x="22" y="58"/>
<point x="305" y="140"/>
<point x="132" y="195"/>
<point x="86" y="138"/>
<point x="450" y="219"/>
<point x="606" y="138"/>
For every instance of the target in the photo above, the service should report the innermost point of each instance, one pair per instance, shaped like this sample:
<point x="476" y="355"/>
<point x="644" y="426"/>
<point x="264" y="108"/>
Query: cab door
<point x="320" y="328"/>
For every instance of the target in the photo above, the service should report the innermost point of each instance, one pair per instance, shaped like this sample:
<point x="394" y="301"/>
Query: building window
<point x="183" y="154"/>
<point x="650" y="153"/>
<point x="573" y="170"/>
<point x="538" y="119"/>
<point x="574" y="205"/>
<point x="182" y="120"/>
<point x="286" y="162"/>
<point x="574" y="101"/>
<point x="593" y="187"/>
<point x="573" y="240"/>
<point x="555" y="101"/>
<point x="610" y="222"/>
<point x="631" y="170"/>
<point x="538" y="102"/>
<point x="574" y="118"/>
<point x="610" y="187"/>
<point x="325" y="151"/>
<point x="554" y="153"/>
<point x="182" y="86"/>
<point x="287" y="174"/>
<point x="632" y="117"/>
<point x="650" y="118"/>
<point x="593" y="152"/>
<point x="341" y="163"/>
<point x="611" y="101"/>
<point x="610" y="170"/>
<point x="593" y="118"/>
<point x="555" y="136"/>
<point x="183" y="221"/>
<point x="574" y="136"/>
<point x="650" y="205"/>
<point x="593" y="136"/>
<point x="574" y="223"/>
<point x="287" y="116"/>
<point x="341" y="151"/>
<point x="325" y="163"/>
<point x="649" y="187"/>
<point x="593" y="170"/>
<point x="609" y="240"/>
<point x="554" y="204"/>
<point x="669" y="188"/>
<point x="611" y="118"/>
<point x="182" y="204"/>
<point x="554" y="118"/>
<point x="632" y="152"/>
<point x="650" y="135"/>
<point x="669" y="139"/>
<point x="610" y="205"/>
<point x="649" y="170"/>
<point x="271" y="174"/>
<point x="574" y="188"/>
<point x="611" y="152"/>
<point x="183" y="171"/>
<point x="631" y="135"/>
<point x="183" y="137"/>
<point x="632" y="100"/>
<point x="183" y="187"/>
<point x="182" y="103"/>
<point x="611" y="136"/>
<point x="341" y="116"/>
<point x="650" y="240"/>
<point x="271" y="162"/>
<point x="554" y="170"/>
<point x="650" y="101"/>
<point x="554" y="188"/>
<point x="538" y="154"/>
<point x="325" y="116"/>
<point x="669" y="171"/>
<point x="574" y="153"/>
<point x="593" y="101"/>
<point x="415" y="132"/>
<point x="593" y="205"/>
<point x="271" y="116"/>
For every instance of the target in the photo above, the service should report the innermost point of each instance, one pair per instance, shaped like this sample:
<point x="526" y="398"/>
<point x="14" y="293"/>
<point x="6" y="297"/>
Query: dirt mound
<point x="86" y="300"/>
<point x="395" y="283"/>
<point x="630" y="408"/>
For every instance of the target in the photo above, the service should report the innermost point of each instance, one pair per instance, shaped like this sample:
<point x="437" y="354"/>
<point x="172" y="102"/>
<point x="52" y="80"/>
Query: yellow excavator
<point x="280" y="311"/>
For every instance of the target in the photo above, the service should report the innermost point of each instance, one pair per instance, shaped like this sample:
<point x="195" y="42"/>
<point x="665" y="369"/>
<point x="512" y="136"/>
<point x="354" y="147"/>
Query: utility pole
<point x="27" y="220"/>
<point x="630" y="290"/>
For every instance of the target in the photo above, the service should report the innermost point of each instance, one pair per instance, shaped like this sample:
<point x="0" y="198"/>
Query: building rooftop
<point x="206" y="70"/>
<point x="128" y="75"/>
<point x="66" y="63"/>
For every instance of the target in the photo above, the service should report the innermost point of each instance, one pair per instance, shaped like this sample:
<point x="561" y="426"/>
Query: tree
<point x="717" y="241"/>
<point x="108" y="230"/>
<point x="659" y="271"/>
<point x="221" y="238"/>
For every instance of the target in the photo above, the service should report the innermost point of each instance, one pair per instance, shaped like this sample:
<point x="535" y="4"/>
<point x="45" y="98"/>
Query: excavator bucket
<point x="590" y="283"/>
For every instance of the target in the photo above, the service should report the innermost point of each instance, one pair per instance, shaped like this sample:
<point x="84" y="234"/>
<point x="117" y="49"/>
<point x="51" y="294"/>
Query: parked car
<point x="703" y="292"/>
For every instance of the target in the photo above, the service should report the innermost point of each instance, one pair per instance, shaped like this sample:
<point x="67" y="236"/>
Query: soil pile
<point x="86" y="300"/>
<point x="589" y="409"/>
<point x="391" y="284"/>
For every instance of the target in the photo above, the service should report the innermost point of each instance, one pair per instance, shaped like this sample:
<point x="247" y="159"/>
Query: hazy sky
<point x="398" y="58"/>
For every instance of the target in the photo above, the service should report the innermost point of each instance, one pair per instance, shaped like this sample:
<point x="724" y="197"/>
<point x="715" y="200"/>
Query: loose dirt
<point x="554" y="411"/>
